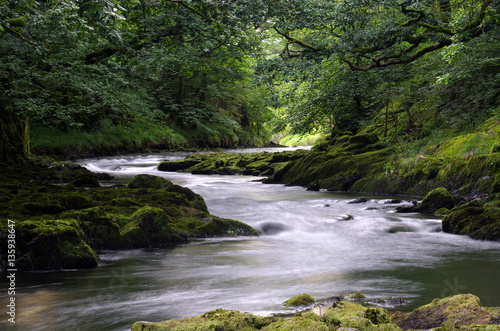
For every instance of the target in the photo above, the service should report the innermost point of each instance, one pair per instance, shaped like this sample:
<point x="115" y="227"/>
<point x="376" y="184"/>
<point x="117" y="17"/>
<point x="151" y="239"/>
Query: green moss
<point x="342" y="310"/>
<point x="219" y="227"/>
<point x="149" y="181"/>
<point x="357" y="296"/>
<point x="300" y="300"/>
<point x="442" y="212"/>
<point x="299" y="323"/>
<point x="377" y="315"/>
<point x="53" y="244"/>
<point x="476" y="222"/>
<point x="150" y="228"/>
<point x="458" y="310"/>
<point x="100" y="230"/>
<point x="227" y="320"/>
<point x="436" y="199"/>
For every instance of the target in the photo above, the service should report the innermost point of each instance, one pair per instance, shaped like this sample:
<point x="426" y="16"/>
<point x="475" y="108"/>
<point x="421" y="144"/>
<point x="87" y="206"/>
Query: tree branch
<point x="379" y="64"/>
<point x="296" y="41"/>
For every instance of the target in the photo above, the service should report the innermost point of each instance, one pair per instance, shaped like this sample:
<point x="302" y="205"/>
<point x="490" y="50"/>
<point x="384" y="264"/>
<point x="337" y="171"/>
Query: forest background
<point x="106" y="76"/>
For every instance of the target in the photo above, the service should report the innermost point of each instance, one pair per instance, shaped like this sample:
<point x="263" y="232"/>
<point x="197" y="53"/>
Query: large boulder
<point x="177" y="165"/>
<point x="227" y="320"/>
<point x="149" y="181"/>
<point x="436" y="199"/>
<point x="454" y="311"/>
<point x="150" y="228"/>
<point x="50" y="244"/>
<point x="475" y="221"/>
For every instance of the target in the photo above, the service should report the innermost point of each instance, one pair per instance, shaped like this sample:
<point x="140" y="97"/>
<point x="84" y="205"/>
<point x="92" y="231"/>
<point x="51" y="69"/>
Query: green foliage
<point x="79" y="66"/>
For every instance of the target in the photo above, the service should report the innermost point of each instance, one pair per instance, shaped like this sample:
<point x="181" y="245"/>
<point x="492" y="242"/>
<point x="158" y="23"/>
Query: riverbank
<point x="63" y="216"/>
<point x="464" y="189"/>
<point x="136" y="137"/>
<point x="459" y="312"/>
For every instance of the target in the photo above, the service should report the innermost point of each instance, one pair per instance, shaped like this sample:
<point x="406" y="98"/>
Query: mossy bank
<point x="364" y="163"/>
<point x="63" y="216"/>
<point x="459" y="312"/>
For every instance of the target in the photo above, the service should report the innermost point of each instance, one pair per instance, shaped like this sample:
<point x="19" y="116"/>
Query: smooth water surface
<point x="311" y="242"/>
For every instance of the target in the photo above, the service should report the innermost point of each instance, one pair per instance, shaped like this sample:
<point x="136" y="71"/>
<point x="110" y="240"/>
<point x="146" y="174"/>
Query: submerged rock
<point x="358" y="200"/>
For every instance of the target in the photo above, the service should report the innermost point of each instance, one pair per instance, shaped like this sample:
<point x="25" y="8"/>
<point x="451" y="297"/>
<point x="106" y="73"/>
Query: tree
<point x="78" y="63"/>
<point x="376" y="34"/>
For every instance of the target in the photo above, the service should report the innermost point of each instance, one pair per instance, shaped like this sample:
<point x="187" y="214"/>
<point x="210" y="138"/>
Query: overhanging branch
<point x="380" y="64"/>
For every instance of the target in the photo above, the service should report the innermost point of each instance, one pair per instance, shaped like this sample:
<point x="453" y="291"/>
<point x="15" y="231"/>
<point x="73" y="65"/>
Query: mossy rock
<point x="442" y="212"/>
<point x="52" y="244"/>
<point x="197" y="200"/>
<point x="436" y="199"/>
<point x="100" y="232"/>
<point x="476" y="222"/>
<point x="177" y="165"/>
<point x="300" y="300"/>
<point x="357" y="296"/>
<point x="227" y="320"/>
<point x="43" y="207"/>
<point x="458" y="310"/>
<point x="74" y="200"/>
<point x="342" y="310"/>
<point x="150" y="228"/>
<point x="148" y="181"/>
<point x="87" y="180"/>
<point x="299" y="323"/>
<point x="220" y="227"/>
<point x="377" y="315"/>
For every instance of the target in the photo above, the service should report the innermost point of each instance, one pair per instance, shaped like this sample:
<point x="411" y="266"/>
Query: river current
<point x="311" y="242"/>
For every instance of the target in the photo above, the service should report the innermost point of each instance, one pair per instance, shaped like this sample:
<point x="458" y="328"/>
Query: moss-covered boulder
<point x="227" y="320"/>
<point x="149" y="181"/>
<point x="454" y="311"/>
<point x="300" y="300"/>
<point x="255" y="164"/>
<point x="435" y="200"/>
<point x="461" y="312"/>
<point x="87" y="180"/>
<point x="474" y="221"/>
<point x="354" y="316"/>
<point x="177" y="165"/>
<point x="99" y="229"/>
<point x="50" y="244"/>
<point x="223" y="227"/>
<point x="150" y="228"/>
<point x="149" y="212"/>
<point x="298" y="323"/>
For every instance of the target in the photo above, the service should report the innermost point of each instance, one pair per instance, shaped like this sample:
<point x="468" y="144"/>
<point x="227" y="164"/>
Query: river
<point x="311" y="242"/>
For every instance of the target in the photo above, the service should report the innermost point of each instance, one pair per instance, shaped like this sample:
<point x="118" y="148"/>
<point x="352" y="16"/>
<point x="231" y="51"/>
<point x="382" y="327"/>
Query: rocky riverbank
<point x="467" y="190"/>
<point x="460" y="312"/>
<point x="63" y="216"/>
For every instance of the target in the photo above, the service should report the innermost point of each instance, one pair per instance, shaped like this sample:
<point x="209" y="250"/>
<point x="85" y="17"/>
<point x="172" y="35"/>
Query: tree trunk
<point x="14" y="137"/>
<point x="445" y="10"/>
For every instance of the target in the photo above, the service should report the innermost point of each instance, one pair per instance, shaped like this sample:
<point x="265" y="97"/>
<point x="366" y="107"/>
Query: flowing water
<point x="311" y="242"/>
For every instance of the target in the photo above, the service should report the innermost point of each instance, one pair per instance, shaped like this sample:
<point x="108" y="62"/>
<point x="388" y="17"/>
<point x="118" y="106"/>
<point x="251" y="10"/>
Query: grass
<point x="302" y="140"/>
<point x="135" y="135"/>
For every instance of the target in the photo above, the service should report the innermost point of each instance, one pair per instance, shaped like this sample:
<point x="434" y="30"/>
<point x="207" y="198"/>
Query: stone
<point x="436" y="199"/>
<point x="455" y="311"/>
